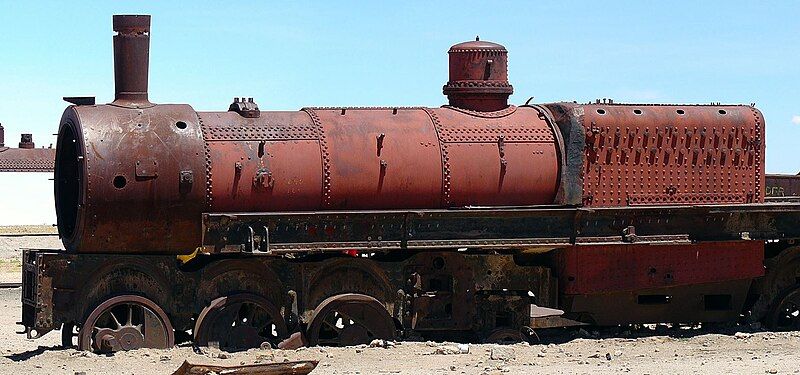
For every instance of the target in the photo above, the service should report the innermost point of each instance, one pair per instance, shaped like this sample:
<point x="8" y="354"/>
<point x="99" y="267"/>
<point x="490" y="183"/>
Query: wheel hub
<point x="126" y="338"/>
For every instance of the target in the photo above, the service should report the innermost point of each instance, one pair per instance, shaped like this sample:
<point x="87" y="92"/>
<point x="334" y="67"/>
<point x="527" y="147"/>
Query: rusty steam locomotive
<point x="478" y="220"/>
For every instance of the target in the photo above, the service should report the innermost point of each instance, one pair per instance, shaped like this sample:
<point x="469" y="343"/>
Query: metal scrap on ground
<point x="285" y="368"/>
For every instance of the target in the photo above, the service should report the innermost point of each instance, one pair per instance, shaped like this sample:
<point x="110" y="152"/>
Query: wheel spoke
<point x="332" y="326"/>
<point x="237" y="316"/>
<point x="239" y="322"/>
<point x="363" y="319"/>
<point x="265" y="327"/>
<point x="360" y="320"/>
<point x="115" y="319"/>
<point x="251" y="313"/>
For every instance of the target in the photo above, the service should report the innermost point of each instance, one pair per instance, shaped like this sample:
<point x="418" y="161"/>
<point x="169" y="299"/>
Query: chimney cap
<point x="131" y="23"/>
<point x="477" y="45"/>
<point x="26" y="141"/>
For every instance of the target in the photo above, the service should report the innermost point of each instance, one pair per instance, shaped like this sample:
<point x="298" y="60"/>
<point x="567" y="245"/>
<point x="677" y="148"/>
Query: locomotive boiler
<point x="174" y="163"/>
<point x="477" y="220"/>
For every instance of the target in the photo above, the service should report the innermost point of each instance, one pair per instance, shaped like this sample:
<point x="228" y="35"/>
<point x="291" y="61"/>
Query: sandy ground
<point x="11" y="247"/>
<point x="641" y="352"/>
<point x="27" y="229"/>
<point x="644" y="353"/>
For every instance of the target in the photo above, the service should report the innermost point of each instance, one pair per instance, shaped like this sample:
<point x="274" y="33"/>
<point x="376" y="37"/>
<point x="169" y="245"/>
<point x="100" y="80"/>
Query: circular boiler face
<point x="69" y="176"/>
<point x="130" y="180"/>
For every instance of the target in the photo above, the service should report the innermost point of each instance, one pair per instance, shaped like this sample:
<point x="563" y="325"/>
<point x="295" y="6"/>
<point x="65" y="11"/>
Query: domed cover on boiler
<point x="478" y="76"/>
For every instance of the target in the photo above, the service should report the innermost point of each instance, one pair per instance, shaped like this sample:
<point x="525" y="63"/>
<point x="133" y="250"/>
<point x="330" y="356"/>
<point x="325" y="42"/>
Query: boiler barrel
<point x="138" y="180"/>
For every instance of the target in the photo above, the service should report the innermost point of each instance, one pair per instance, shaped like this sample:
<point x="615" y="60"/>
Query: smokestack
<point x="2" y="136"/>
<point x="26" y="141"/>
<point x="131" y="60"/>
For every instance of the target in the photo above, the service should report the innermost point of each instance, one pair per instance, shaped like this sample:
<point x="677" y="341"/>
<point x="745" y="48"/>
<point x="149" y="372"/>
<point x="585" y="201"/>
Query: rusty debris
<point x="475" y="221"/>
<point x="284" y="368"/>
<point x="294" y="341"/>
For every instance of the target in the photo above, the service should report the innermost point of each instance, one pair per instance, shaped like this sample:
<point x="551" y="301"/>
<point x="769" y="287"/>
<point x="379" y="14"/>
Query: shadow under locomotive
<point x="477" y="221"/>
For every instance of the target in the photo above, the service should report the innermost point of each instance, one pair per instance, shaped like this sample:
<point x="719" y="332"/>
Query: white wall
<point x="26" y="198"/>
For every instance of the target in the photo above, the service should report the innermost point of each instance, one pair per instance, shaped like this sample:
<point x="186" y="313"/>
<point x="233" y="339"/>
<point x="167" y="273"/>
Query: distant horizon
<point x="296" y="54"/>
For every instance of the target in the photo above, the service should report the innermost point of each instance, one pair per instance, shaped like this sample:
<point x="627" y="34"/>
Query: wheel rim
<point x="125" y="323"/>
<point x="350" y="319"/>
<point x="504" y="336"/>
<point x="786" y="315"/>
<point x="240" y="322"/>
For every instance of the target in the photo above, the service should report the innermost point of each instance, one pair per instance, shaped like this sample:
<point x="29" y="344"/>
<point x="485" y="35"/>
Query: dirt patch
<point x="10" y="271"/>
<point x="28" y="229"/>
<point x="11" y="247"/>
<point x="752" y="353"/>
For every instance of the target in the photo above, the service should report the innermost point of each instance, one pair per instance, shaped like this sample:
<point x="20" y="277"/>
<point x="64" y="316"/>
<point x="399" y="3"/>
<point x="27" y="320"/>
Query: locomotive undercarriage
<point x="239" y="301"/>
<point x="128" y="300"/>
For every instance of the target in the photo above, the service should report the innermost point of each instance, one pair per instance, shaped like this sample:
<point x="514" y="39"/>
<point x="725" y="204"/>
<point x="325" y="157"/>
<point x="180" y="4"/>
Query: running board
<point x="528" y="228"/>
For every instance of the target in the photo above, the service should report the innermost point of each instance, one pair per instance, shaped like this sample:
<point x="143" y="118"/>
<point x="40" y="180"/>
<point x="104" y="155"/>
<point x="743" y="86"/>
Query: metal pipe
<point x="131" y="60"/>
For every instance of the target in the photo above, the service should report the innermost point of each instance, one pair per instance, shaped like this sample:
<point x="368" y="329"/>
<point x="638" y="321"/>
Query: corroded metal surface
<point x="111" y="159"/>
<point x="489" y="292"/>
<point x="284" y="368"/>
<point x="672" y="154"/>
<point x="711" y="302"/>
<point x="782" y="187"/>
<point x="391" y="158"/>
<point x="350" y="319"/>
<point x="511" y="159"/>
<point x="173" y="163"/>
<point x="606" y="269"/>
<point x="525" y="229"/>
<point x="240" y="321"/>
<point x="126" y="322"/>
<point x="370" y="152"/>
<point x="131" y="60"/>
<point x="478" y="76"/>
<point x="268" y="163"/>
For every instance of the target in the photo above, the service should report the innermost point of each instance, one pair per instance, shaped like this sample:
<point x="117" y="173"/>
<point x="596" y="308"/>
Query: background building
<point x="26" y="187"/>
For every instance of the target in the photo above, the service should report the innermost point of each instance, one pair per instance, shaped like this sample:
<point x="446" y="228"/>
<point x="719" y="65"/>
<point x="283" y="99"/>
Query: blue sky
<point x="293" y="54"/>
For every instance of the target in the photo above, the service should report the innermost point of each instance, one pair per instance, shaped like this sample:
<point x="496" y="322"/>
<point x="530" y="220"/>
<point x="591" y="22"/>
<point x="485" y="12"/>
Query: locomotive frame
<point x="636" y="247"/>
